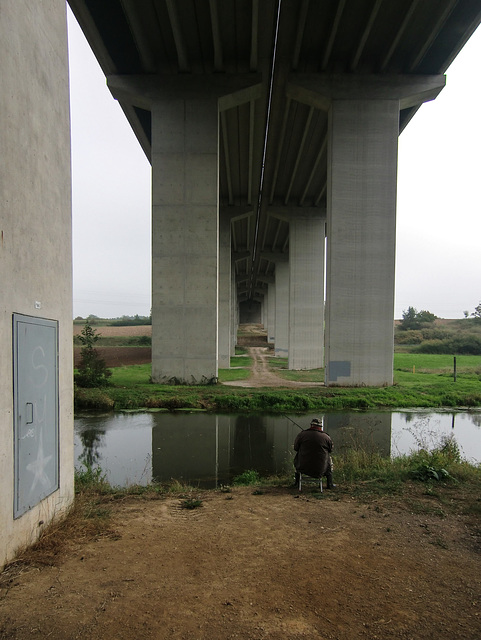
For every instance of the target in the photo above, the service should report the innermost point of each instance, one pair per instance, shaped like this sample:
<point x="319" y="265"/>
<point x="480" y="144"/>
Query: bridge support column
<point x="234" y="315"/>
<point x="271" y="314"/>
<point x="306" y="292"/>
<point x="361" y="223"/>
<point x="225" y="280"/>
<point x="185" y="241"/>
<point x="282" y="309"/>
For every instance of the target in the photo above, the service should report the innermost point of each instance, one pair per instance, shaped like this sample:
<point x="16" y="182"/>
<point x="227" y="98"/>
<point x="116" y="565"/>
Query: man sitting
<point x="313" y="448"/>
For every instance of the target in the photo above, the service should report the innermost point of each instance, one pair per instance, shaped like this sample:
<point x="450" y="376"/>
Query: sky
<point x="438" y="248"/>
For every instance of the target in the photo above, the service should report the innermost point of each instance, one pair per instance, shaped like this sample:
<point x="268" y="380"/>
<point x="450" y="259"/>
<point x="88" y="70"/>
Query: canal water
<point x="208" y="450"/>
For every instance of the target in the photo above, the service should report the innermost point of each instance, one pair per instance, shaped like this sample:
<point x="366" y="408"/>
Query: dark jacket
<point x="313" y="447"/>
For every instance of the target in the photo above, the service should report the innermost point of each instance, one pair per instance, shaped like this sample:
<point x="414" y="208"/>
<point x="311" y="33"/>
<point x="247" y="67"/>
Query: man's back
<point x="313" y="447"/>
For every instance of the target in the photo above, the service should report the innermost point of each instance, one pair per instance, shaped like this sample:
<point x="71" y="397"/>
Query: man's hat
<point x="316" y="422"/>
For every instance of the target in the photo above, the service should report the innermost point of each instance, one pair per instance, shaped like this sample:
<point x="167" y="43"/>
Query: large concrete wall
<point x="35" y="231"/>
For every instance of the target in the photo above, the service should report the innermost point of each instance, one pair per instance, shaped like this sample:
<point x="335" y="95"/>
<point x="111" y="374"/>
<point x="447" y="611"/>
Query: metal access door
<point x="35" y="379"/>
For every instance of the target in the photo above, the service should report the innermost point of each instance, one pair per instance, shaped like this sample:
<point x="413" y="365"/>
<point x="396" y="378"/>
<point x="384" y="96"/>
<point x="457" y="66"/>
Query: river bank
<point x="257" y="564"/>
<point x="263" y="387"/>
<point x="259" y="382"/>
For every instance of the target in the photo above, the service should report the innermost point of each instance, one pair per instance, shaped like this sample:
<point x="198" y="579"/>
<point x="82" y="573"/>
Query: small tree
<point x="477" y="313"/>
<point x="409" y="319"/>
<point x="425" y="317"/>
<point x="413" y="319"/>
<point x="92" y="370"/>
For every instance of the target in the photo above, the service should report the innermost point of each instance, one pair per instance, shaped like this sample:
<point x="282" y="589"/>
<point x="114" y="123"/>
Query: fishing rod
<point x="293" y="422"/>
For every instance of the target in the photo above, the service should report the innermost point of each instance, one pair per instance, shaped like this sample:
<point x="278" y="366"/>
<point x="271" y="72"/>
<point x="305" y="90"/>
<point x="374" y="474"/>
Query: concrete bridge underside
<point x="272" y="129"/>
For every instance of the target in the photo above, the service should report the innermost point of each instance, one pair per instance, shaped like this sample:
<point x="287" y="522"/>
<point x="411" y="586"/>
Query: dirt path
<point x="262" y="376"/>
<point x="272" y="566"/>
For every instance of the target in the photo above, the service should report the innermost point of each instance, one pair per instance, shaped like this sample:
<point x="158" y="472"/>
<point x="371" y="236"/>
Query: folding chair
<point x="299" y="483"/>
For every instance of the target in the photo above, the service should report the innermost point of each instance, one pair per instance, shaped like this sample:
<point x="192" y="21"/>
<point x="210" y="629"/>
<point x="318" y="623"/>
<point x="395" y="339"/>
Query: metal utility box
<point x="35" y="392"/>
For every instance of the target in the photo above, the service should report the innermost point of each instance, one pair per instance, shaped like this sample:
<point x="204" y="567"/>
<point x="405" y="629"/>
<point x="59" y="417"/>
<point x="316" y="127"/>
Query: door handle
<point x="29" y="412"/>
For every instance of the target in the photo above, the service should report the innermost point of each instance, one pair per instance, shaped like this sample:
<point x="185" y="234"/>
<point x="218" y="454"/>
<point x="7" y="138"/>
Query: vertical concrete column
<point x="282" y="309"/>
<point x="306" y="292"/>
<point x="225" y="281"/>
<point x="185" y="243"/>
<point x="35" y="270"/>
<point x="234" y="312"/>
<point x="271" y="324"/>
<point x="361" y="216"/>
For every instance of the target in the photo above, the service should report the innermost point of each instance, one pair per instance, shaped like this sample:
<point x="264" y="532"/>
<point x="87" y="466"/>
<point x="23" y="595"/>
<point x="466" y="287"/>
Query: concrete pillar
<point x="361" y="219"/>
<point x="233" y="313"/>
<point x="282" y="309"/>
<point x="185" y="242"/>
<point x="35" y="269"/>
<point x="225" y="283"/>
<point x="271" y="324"/>
<point x="361" y="206"/>
<point x="306" y="292"/>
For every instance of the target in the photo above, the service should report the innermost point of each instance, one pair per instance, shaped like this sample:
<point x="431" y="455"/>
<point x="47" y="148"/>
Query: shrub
<point x="247" y="477"/>
<point x="408" y="337"/>
<point x="435" y="334"/>
<point x="433" y="346"/>
<point x="462" y="345"/>
<point x="92" y="400"/>
<point x="467" y="345"/>
<point x="92" y="370"/>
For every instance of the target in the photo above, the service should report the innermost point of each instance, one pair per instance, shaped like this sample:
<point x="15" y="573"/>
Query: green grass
<point x="228" y="375"/>
<point x="240" y="369"/>
<point x="135" y="374"/>
<point x="431" y="386"/>
<point x="437" y="364"/>
<point x="279" y="366"/>
<point x="241" y="361"/>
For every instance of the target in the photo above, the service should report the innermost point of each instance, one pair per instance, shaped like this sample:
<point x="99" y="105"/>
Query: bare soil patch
<point x="270" y="566"/>
<point x="120" y="356"/>
<point x="111" y="332"/>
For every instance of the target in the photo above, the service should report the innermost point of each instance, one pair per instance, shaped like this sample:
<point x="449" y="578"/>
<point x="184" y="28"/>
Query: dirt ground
<point x="274" y="565"/>
<point x="246" y="565"/>
<point x="120" y="356"/>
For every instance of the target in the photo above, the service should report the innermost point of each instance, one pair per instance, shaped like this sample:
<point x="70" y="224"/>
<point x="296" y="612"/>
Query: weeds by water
<point x="247" y="478"/>
<point x="359" y="473"/>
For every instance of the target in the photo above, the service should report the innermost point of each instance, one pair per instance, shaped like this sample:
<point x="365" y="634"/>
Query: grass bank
<point x="420" y="380"/>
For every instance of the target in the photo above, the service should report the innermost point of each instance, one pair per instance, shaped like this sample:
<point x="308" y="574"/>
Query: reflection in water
<point x="253" y="444"/>
<point x="425" y="430"/>
<point x="208" y="450"/>
<point x="91" y="440"/>
<point x="369" y="431"/>
<point x="211" y="450"/>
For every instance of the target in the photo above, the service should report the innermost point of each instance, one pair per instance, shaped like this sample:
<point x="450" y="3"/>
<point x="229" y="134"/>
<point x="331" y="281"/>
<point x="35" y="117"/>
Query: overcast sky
<point x="438" y="265"/>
